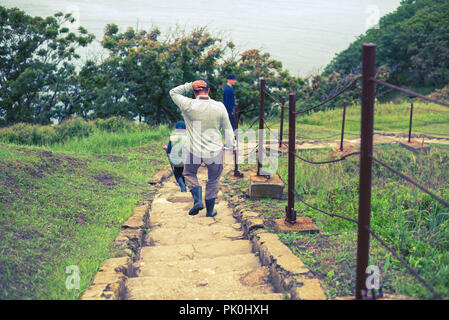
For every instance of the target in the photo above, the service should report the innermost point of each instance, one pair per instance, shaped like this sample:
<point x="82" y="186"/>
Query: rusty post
<point x="237" y="173"/>
<point x="290" y="216"/>
<point x="282" y="122"/>
<point x="366" y="152"/>
<point x="410" y="126"/>
<point x="343" y="127"/>
<point x="261" y="149"/>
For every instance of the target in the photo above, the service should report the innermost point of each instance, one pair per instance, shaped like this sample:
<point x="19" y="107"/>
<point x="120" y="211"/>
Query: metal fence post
<point x="290" y="209"/>
<point x="261" y="149"/>
<point x="237" y="173"/>
<point x="366" y="151"/>
<point x="282" y="122"/>
<point x="343" y="127"/>
<point x="410" y="126"/>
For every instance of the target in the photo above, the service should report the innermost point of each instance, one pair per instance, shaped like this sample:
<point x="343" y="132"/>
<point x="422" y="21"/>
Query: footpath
<point x="196" y="257"/>
<point x="168" y="255"/>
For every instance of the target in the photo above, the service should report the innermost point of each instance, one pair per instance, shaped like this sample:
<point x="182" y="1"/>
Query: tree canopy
<point x="413" y="42"/>
<point x="36" y="69"/>
<point x="40" y="83"/>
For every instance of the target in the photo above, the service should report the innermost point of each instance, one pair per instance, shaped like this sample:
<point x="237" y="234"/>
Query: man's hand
<point x="199" y="85"/>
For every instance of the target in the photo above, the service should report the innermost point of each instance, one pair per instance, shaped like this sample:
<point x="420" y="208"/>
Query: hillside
<point x="413" y="42"/>
<point x="63" y="204"/>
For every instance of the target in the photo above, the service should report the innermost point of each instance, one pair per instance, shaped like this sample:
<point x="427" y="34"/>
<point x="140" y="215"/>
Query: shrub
<point x="45" y="135"/>
<point x="75" y="127"/>
<point x="441" y="94"/>
<point x="115" y="124"/>
<point x="20" y="133"/>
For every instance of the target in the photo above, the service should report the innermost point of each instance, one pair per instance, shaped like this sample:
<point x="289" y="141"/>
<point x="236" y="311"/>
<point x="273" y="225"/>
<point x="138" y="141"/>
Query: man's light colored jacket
<point x="204" y="117"/>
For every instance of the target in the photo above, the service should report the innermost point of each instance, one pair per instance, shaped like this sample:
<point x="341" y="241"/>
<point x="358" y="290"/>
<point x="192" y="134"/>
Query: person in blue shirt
<point x="229" y="98"/>
<point x="176" y="150"/>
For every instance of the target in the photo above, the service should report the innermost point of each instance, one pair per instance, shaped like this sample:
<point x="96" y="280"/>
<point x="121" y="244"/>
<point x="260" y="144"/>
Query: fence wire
<point x="331" y="98"/>
<point x="413" y="182"/>
<point x="410" y="180"/>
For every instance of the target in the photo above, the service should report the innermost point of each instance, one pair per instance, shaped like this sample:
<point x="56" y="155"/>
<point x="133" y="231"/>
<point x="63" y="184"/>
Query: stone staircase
<point x="196" y="258"/>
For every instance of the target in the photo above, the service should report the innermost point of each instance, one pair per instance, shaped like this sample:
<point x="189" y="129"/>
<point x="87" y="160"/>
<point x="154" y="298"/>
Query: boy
<point x="176" y="150"/>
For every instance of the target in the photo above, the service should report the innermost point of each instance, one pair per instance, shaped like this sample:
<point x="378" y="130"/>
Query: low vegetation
<point x="410" y="222"/>
<point x="428" y="119"/>
<point x="62" y="202"/>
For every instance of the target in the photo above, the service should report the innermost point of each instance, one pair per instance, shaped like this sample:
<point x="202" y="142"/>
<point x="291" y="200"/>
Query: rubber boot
<point x="197" y="201"/>
<point x="181" y="183"/>
<point x="211" y="212"/>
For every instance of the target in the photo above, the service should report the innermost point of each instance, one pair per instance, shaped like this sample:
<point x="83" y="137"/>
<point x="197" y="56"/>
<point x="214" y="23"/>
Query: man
<point x="229" y="98"/>
<point x="204" y="118"/>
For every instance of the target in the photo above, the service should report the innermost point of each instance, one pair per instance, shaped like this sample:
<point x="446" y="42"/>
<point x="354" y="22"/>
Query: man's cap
<point x="180" y="125"/>
<point x="231" y="76"/>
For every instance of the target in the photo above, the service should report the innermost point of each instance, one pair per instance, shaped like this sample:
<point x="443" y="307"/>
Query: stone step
<point x="201" y="250"/>
<point x="199" y="268"/>
<point x="230" y="285"/>
<point x="224" y="216"/>
<point x="191" y="222"/>
<point x="142" y="295"/>
<point x="192" y="233"/>
<point x="172" y="201"/>
<point x="170" y="220"/>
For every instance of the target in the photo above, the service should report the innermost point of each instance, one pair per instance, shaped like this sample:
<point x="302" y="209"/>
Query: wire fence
<point x="366" y="160"/>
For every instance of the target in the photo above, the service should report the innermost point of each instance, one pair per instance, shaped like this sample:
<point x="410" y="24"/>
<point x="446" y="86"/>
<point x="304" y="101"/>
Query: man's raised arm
<point x="178" y="96"/>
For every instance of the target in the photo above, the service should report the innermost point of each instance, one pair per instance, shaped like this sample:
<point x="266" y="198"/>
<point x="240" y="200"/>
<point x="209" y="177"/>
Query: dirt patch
<point x="111" y="157"/>
<point x="255" y="278"/>
<point x="62" y="160"/>
<point x="106" y="179"/>
<point x="80" y="219"/>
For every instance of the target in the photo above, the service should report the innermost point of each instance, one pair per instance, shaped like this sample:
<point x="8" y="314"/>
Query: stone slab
<point x="198" y="268"/>
<point x="196" y="251"/>
<point x="261" y="187"/>
<point x="415" y="146"/>
<point x="303" y="224"/>
<point x="192" y="234"/>
<point x="161" y="175"/>
<point x="310" y="290"/>
<point x="221" y="286"/>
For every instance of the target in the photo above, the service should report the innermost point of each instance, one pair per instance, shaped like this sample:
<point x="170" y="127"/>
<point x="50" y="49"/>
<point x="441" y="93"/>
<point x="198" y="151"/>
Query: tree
<point x="413" y="42"/>
<point x="35" y="64"/>
<point x="250" y="67"/>
<point x="148" y="67"/>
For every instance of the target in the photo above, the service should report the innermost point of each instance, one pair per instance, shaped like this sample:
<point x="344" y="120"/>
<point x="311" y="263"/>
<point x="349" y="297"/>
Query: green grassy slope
<point x="63" y="205"/>
<point x="428" y="119"/>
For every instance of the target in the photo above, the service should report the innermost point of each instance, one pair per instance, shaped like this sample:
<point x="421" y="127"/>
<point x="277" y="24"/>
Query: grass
<point x="411" y="222"/>
<point x="428" y="119"/>
<point x="63" y="205"/>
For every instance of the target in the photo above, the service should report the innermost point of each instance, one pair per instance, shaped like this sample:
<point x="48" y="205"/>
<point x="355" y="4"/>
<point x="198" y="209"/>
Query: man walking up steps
<point x="204" y="118"/>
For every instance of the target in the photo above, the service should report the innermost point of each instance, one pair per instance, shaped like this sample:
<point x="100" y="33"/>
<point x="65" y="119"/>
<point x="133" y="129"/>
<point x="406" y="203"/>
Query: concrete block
<point x="303" y="224"/>
<point x="415" y="146"/>
<point x="261" y="187"/>
<point x="310" y="290"/>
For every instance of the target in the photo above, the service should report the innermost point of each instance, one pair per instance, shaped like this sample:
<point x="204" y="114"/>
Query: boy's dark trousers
<point x="178" y="173"/>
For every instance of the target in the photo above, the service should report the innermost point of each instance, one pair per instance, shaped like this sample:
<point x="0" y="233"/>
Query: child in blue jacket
<point x="176" y="149"/>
